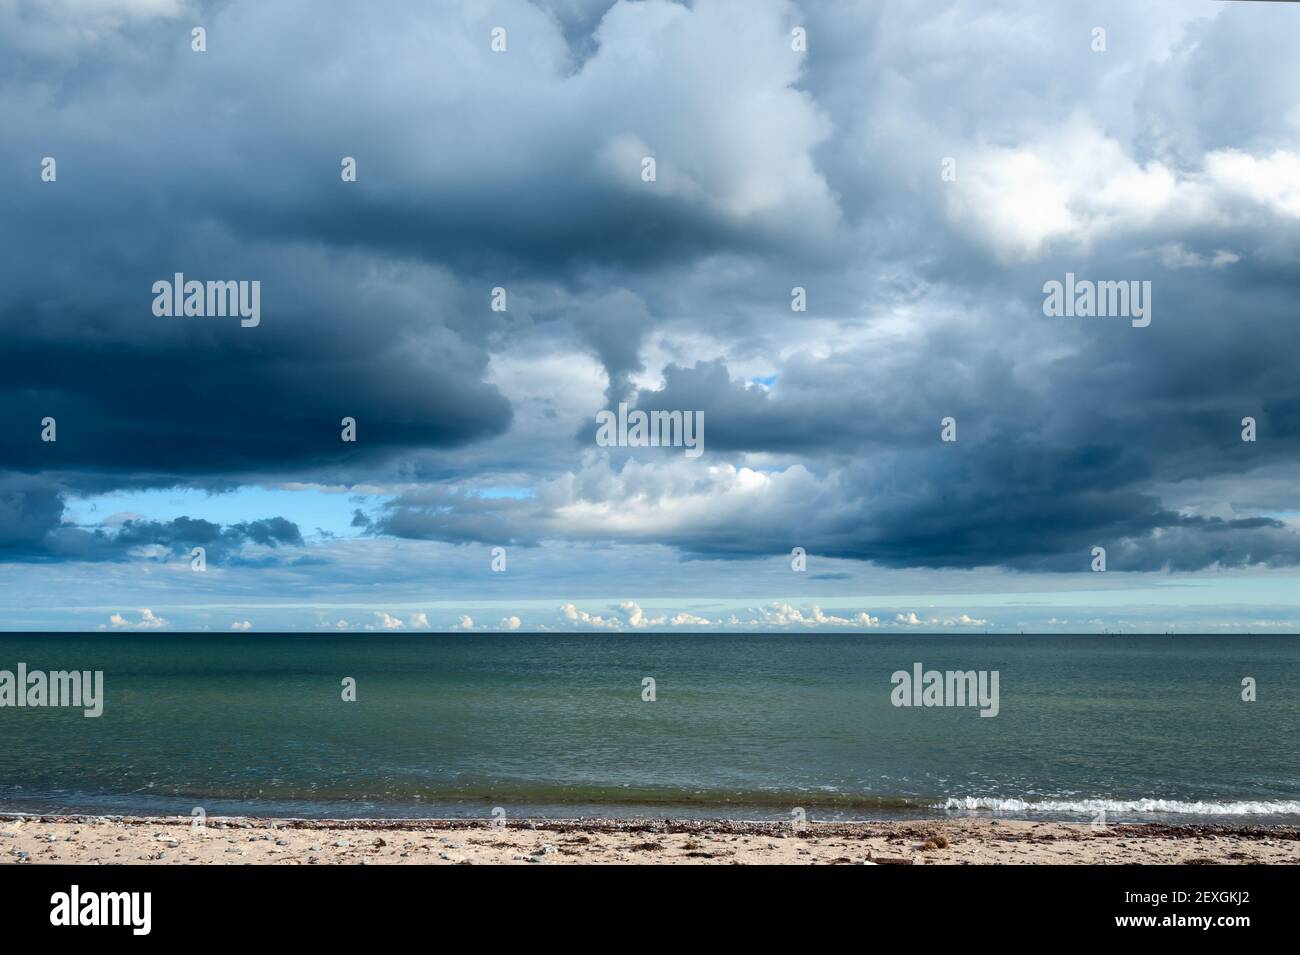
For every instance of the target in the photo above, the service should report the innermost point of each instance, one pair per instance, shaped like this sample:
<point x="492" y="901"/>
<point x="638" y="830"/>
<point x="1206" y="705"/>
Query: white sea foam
<point x="1270" y="807"/>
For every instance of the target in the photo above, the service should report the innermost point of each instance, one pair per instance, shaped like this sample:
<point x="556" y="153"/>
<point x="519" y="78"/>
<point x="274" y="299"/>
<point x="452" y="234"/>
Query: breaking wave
<point x="1271" y="807"/>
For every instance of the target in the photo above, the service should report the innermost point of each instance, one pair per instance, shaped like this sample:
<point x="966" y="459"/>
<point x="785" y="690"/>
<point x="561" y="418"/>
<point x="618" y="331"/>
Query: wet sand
<point x="92" y="840"/>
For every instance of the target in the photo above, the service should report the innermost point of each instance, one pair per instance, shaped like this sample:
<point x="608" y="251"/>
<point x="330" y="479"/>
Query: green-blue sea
<point x="742" y="726"/>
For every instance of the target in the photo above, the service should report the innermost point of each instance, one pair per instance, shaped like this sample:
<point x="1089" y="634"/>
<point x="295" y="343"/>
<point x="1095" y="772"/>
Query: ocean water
<point x="743" y="726"/>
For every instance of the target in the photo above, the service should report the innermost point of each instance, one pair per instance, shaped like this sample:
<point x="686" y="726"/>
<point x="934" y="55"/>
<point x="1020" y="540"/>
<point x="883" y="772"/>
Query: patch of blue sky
<point x="515" y="493"/>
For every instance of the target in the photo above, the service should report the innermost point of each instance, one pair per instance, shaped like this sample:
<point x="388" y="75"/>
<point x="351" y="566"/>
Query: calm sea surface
<point x="743" y="726"/>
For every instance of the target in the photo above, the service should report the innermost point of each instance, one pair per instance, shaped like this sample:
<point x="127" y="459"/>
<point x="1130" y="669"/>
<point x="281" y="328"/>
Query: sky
<point x="502" y="268"/>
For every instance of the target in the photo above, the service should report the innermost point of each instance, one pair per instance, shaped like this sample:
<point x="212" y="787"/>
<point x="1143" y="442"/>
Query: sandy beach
<point x="86" y="840"/>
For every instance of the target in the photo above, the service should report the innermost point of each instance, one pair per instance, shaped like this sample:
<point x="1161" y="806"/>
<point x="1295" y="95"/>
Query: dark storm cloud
<point x="500" y="179"/>
<point x="1050" y="460"/>
<point x="221" y="544"/>
<point x="30" y="513"/>
<point x="205" y="396"/>
<point x="33" y="527"/>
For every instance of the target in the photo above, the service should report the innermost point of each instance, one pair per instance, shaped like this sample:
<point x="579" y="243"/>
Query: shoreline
<point x="235" y="840"/>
